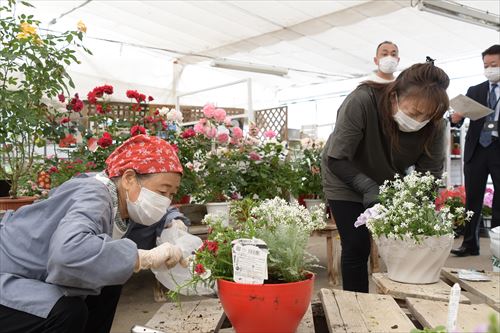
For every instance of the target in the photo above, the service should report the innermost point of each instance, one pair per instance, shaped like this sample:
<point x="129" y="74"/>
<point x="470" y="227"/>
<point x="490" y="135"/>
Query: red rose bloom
<point x="137" y="129"/>
<point x="188" y="133"/>
<point x="64" y="120"/>
<point x="91" y="97"/>
<point x="150" y="98"/>
<point x="61" y="98"/>
<point x="199" y="269"/>
<point x="105" y="141"/>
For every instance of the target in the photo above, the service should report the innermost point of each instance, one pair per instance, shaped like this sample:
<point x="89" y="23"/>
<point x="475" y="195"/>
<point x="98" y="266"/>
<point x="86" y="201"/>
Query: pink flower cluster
<point x="488" y="197"/>
<point x="216" y="125"/>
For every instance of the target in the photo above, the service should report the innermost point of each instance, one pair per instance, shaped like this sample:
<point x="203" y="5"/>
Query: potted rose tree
<point x="414" y="236"/>
<point x="306" y="163"/>
<point x="279" y="302"/>
<point x="33" y="67"/>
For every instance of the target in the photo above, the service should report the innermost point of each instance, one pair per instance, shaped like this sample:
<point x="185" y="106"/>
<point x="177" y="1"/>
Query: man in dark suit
<point x="482" y="152"/>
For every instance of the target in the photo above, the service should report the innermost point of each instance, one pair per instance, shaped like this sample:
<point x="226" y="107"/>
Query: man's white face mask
<point x="407" y="123"/>
<point x="388" y="64"/>
<point x="149" y="207"/>
<point x="492" y="74"/>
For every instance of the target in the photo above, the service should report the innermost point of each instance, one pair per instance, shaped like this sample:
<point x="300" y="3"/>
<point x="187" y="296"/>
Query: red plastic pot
<point x="265" y="308"/>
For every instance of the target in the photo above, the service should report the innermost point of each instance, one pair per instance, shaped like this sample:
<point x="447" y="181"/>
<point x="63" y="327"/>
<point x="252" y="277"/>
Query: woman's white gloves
<point x="164" y="254"/>
<point x="178" y="224"/>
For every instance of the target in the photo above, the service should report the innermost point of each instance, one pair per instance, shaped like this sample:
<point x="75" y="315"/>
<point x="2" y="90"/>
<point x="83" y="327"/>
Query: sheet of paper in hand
<point x="469" y="108"/>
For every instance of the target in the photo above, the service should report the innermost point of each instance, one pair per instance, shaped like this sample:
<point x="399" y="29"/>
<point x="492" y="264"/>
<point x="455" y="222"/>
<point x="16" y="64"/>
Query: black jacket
<point x="479" y="93"/>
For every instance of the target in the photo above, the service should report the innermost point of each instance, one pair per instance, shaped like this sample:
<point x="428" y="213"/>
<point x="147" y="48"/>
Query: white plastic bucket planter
<point x="311" y="203"/>
<point x="416" y="263"/>
<point x="219" y="208"/>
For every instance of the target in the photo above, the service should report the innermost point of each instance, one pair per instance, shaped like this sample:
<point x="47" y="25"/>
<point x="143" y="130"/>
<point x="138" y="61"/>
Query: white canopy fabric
<point x="327" y="45"/>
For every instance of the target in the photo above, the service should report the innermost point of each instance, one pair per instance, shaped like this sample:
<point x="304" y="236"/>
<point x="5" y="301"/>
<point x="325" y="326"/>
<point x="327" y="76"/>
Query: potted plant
<point x="454" y="199"/>
<point x="278" y="304"/>
<point x="32" y="67"/>
<point x="265" y="170"/>
<point x="307" y="187"/>
<point x="486" y="210"/>
<point x="413" y="236"/>
<point x="216" y="162"/>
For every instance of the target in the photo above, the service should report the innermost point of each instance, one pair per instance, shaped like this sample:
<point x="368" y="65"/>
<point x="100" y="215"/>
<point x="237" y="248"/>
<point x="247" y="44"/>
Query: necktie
<point x="485" y="138"/>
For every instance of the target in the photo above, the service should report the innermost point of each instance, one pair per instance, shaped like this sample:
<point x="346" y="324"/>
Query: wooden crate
<point x="204" y="316"/>
<point x="489" y="291"/>
<point x="438" y="291"/>
<point x="348" y="312"/>
<point x="435" y="313"/>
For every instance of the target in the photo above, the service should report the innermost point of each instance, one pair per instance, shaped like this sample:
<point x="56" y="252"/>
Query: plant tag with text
<point x="249" y="260"/>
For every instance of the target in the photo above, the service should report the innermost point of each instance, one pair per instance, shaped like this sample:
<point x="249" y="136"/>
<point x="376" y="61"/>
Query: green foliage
<point x="265" y="172"/>
<point x="31" y="67"/>
<point x="306" y="166"/>
<point x="283" y="226"/>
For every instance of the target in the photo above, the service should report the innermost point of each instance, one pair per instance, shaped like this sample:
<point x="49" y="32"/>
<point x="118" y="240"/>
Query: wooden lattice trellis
<point x="123" y="111"/>
<point x="275" y="119"/>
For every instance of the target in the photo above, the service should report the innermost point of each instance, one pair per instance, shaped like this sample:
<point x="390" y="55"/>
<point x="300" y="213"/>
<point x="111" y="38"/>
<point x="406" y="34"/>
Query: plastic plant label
<point x="249" y="260"/>
<point x="471" y="275"/>
<point x="453" y="308"/>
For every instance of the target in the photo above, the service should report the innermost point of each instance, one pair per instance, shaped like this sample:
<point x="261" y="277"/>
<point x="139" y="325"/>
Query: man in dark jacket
<point x="482" y="152"/>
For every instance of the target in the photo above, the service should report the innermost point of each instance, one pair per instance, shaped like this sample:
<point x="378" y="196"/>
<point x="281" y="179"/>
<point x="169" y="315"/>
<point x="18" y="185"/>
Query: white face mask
<point x="388" y="64"/>
<point x="492" y="74"/>
<point x="149" y="207"/>
<point x="407" y="123"/>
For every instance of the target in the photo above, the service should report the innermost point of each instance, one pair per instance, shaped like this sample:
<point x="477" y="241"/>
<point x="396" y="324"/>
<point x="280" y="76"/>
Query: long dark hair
<point x="426" y="84"/>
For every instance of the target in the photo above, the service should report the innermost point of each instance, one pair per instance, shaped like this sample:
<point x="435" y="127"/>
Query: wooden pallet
<point x="347" y="312"/>
<point x="438" y="291"/>
<point x="199" y="316"/>
<point x="489" y="291"/>
<point x="434" y="313"/>
<point x="204" y="316"/>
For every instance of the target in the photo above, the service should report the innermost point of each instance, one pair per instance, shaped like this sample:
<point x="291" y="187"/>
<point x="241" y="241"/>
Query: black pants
<point x="69" y="315"/>
<point x="355" y="245"/>
<point x="484" y="161"/>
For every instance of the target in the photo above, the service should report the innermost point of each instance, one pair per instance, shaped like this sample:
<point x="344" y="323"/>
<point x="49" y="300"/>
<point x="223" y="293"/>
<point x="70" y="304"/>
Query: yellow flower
<point x="28" y="28"/>
<point x="81" y="26"/>
<point x="22" y="35"/>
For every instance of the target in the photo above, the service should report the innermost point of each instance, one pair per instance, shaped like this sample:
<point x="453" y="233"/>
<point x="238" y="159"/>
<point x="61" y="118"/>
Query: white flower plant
<point x="407" y="209"/>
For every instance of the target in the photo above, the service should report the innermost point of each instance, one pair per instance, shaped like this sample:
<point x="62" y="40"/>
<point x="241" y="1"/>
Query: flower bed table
<point x="347" y="311"/>
<point x="489" y="291"/>
<point x="204" y="315"/>
<point x="438" y="291"/>
<point x="434" y="313"/>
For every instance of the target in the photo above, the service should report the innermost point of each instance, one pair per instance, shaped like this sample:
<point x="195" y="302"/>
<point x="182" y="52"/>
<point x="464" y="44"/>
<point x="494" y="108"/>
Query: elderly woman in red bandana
<point x="63" y="260"/>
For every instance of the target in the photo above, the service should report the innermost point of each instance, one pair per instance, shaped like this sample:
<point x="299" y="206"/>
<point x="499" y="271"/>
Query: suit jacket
<point x="479" y="93"/>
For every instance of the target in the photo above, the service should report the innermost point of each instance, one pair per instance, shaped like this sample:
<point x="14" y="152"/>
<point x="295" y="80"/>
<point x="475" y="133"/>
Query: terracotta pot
<point x="267" y="308"/>
<point x="7" y="203"/>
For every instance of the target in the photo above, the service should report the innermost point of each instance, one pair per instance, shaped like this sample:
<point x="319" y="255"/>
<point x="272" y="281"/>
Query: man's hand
<point x="456" y="117"/>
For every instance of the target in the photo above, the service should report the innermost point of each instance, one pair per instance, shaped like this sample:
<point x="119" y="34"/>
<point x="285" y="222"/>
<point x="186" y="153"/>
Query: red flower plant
<point x="75" y="104"/>
<point x="105" y="141"/>
<point x="137" y="129"/>
<point x="199" y="269"/>
<point x="188" y="133"/>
